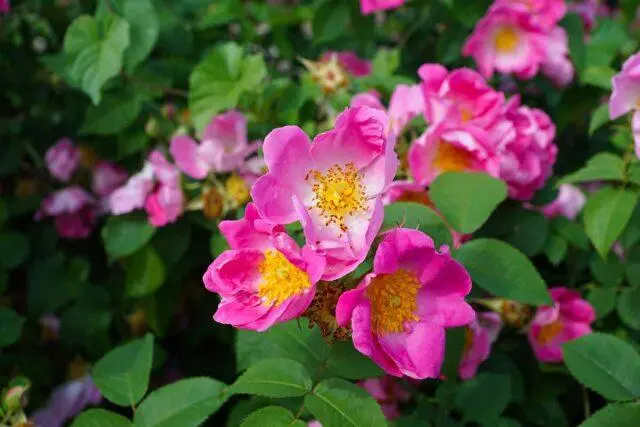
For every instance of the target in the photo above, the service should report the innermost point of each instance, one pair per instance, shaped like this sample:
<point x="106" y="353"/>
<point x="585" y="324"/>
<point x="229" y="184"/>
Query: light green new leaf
<point x="338" y="403"/>
<point x="185" y="403"/>
<point x="100" y="418"/>
<point x="95" y="50"/>
<point x="605" y="364"/>
<point x="274" y="378"/>
<point x="615" y="415"/>
<point x="219" y="79"/>
<point x="599" y="76"/>
<point x="601" y="167"/>
<point x="606" y="215"/>
<point x="145" y="272"/>
<point x="122" y="375"/>
<point x="467" y="199"/>
<point x="503" y="271"/>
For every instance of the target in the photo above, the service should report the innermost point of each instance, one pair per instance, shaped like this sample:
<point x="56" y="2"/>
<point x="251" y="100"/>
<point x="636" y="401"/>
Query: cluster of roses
<point x="336" y="186"/>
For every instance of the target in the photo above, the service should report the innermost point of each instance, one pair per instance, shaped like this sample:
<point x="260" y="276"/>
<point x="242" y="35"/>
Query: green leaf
<point x="530" y="233"/>
<point x="114" y="114"/>
<point x="217" y="82"/>
<point x="124" y="235"/>
<point x="453" y="352"/>
<point x="606" y="41"/>
<point x="386" y="62"/>
<point x="95" y="50"/>
<point x="14" y="248"/>
<point x="252" y="347"/>
<point x="338" y="403"/>
<point x="573" y="23"/>
<point x="571" y="231"/>
<point x="347" y="362"/>
<point x="418" y="216"/>
<point x="217" y="244"/>
<point x="615" y="415"/>
<point x="629" y="307"/>
<point x="608" y="272"/>
<point x="185" y="403"/>
<point x="484" y="398"/>
<point x="100" y="418"/>
<point x="122" y="375"/>
<point x="330" y="21"/>
<point x="605" y="364"/>
<point x="606" y="215"/>
<point x="599" y="118"/>
<point x="601" y="167"/>
<point x="503" y="271"/>
<point x="11" y="324"/>
<point x="603" y="301"/>
<point x="145" y="28"/>
<point x="556" y="249"/>
<point x="300" y="342"/>
<point x="599" y="76"/>
<point x="272" y="416"/>
<point x="145" y="272"/>
<point x="467" y="199"/>
<point x="172" y="241"/>
<point x="274" y="378"/>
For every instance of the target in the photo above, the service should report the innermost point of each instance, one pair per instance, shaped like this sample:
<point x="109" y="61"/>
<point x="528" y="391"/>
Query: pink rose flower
<point x="546" y="13"/>
<point x="74" y="212"/>
<point x="557" y="65"/>
<point x="388" y="393"/>
<point x="480" y="336"/>
<point x="351" y="63"/>
<point x="224" y="147"/>
<point x="626" y="95"/>
<point x="405" y="104"/>
<point x="333" y="186"/>
<point x="569" y="318"/>
<point x="5" y="6"/>
<point x="399" y="312"/>
<point x="156" y="189"/>
<point x="369" y="6"/>
<point x="568" y="204"/>
<point x="508" y="40"/>
<point x="451" y="149"/>
<point x="62" y="159"/>
<point x="107" y="177"/>
<point x="526" y="162"/>
<point x="265" y="278"/>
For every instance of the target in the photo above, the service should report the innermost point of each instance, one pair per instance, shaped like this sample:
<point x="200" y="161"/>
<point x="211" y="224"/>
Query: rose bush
<point x="320" y="213"/>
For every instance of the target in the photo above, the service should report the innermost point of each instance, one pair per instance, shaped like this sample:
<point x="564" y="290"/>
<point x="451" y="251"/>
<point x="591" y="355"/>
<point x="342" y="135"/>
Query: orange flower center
<point x="549" y="332"/>
<point x="450" y="158"/>
<point x="393" y="300"/>
<point x="506" y="39"/>
<point x="281" y="280"/>
<point x="466" y="114"/>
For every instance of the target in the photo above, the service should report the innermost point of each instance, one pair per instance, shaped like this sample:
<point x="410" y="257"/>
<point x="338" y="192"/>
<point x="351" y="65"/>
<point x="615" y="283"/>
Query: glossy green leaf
<point x="274" y="378"/>
<point x="603" y="300"/>
<point x="629" y="307"/>
<point x="347" y="362"/>
<point x="272" y="416"/>
<point x="615" y="415"/>
<point x="599" y="118"/>
<point x="145" y="272"/>
<point x="484" y="398"/>
<point x="418" y="216"/>
<point x="124" y="235"/>
<point x="114" y="114"/>
<point x="300" y="342"/>
<point x="601" y="167"/>
<point x="100" y="418"/>
<point x="606" y="215"/>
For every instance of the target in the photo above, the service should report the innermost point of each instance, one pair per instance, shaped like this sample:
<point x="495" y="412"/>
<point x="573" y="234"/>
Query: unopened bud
<point x="213" y="203"/>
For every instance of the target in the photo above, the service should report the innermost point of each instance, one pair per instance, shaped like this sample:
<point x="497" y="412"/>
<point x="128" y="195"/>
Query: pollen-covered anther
<point x="393" y="300"/>
<point x="338" y="193"/>
<point x="281" y="279"/>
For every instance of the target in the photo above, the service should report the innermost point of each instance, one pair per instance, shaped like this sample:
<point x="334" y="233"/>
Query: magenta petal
<point x="232" y="312"/>
<point x="286" y="153"/>
<point x="348" y="301"/>
<point x="273" y="200"/>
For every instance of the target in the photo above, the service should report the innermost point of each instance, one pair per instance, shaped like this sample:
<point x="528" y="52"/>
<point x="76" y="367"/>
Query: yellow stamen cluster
<point x="281" y="280"/>
<point x="338" y="192"/>
<point x="393" y="300"/>
<point x="450" y="158"/>
<point x="549" y="332"/>
<point x="237" y="189"/>
<point x="515" y="314"/>
<point x="506" y="39"/>
<point x="330" y="75"/>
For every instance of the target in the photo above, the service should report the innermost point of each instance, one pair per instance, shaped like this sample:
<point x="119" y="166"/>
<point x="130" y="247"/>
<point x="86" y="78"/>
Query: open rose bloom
<point x="626" y="96"/>
<point x="265" y="277"/>
<point x="399" y="312"/>
<point x="333" y="186"/>
<point x="569" y="318"/>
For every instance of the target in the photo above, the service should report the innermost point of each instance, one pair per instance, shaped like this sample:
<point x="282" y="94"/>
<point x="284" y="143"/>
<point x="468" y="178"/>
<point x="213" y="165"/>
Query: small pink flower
<point x="388" y="392"/>
<point x="265" y="278"/>
<point x="405" y="104"/>
<point x="557" y="65"/>
<point x="626" y="95"/>
<point x="133" y="193"/>
<point x="224" y="147"/>
<point x="351" y="63"/>
<point x="164" y="205"/>
<point x="526" y="162"/>
<point x="568" y="204"/>
<point x="370" y="6"/>
<point x="546" y="13"/>
<point x="107" y="177"/>
<point x="480" y="336"/>
<point x="333" y="186"/>
<point x="443" y="149"/>
<point x="569" y="318"/>
<point x="62" y="159"/>
<point x="5" y="6"/>
<point x="508" y="40"/>
<point x="399" y="312"/>
<point x="74" y="212"/>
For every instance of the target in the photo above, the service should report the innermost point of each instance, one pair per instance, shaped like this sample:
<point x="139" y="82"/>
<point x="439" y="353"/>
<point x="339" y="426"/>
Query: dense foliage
<point x="397" y="212"/>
